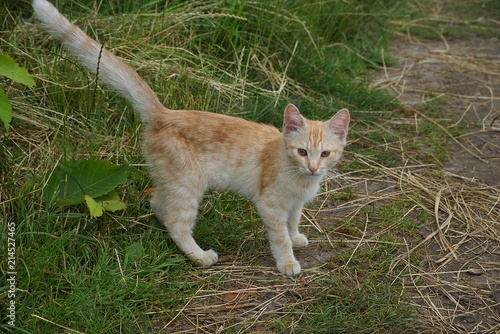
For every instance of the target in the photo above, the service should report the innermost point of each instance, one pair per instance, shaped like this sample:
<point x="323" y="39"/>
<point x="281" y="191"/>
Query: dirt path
<point x="465" y="77"/>
<point x="458" y="288"/>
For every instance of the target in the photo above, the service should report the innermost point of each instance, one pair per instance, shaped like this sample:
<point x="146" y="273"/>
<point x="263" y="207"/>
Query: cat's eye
<point x="302" y="152"/>
<point x="324" y="154"/>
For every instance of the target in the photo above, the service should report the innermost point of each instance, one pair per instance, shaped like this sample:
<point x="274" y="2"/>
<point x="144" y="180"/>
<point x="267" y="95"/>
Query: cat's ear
<point x="293" y="121"/>
<point x="339" y="124"/>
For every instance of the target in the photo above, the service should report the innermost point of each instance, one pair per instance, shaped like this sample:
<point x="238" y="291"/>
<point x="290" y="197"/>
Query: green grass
<point x="249" y="59"/>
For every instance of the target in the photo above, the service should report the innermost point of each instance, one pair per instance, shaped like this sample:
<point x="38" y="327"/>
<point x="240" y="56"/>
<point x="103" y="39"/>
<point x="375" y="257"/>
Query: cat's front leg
<point x="298" y="239"/>
<point x="275" y="220"/>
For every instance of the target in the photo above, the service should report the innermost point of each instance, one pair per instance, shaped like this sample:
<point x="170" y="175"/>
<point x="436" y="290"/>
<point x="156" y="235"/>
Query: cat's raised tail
<point x="112" y="70"/>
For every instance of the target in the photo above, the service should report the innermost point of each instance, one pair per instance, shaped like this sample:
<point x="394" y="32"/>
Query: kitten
<point x="189" y="151"/>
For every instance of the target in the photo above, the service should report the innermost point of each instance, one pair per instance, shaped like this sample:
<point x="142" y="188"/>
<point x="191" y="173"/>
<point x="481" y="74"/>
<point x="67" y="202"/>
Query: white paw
<point x="207" y="259"/>
<point x="299" y="240"/>
<point x="290" y="268"/>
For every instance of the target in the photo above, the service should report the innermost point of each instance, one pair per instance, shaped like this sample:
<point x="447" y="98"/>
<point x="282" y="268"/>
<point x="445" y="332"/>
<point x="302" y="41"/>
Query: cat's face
<point x="314" y="146"/>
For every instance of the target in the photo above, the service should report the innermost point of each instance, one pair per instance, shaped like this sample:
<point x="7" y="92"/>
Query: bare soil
<point x="466" y="75"/>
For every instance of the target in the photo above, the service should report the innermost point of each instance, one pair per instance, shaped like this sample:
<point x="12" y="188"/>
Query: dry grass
<point x="456" y="287"/>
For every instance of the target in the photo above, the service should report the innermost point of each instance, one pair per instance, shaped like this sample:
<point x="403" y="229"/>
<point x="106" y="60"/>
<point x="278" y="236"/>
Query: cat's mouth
<point x="316" y="173"/>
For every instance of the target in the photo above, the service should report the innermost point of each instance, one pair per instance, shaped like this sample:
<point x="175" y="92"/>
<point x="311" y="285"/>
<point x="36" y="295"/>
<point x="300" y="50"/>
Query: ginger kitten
<point x="189" y="151"/>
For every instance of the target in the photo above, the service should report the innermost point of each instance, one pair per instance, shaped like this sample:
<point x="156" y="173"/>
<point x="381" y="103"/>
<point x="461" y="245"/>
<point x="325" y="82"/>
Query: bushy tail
<point x="112" y="70"/>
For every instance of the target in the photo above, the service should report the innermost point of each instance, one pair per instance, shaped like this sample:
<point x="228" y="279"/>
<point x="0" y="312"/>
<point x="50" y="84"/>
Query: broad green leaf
<point x="10" y="69"/>
<point x="5" y="110"/>
<point x="71" y="181"/>
<point x="94" y="207"/>
<point x="111" y="202"/>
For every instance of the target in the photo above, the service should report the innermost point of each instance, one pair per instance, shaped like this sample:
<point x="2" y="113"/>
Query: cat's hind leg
<point x="177" y="211"/>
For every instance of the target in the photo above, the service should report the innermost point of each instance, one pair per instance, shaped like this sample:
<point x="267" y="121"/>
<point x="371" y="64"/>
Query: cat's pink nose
<point x="312" y="169"/>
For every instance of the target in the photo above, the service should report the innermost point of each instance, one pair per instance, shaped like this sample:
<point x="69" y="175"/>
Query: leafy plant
<point x="89" y="181"/>
<point x="10" y="69"/>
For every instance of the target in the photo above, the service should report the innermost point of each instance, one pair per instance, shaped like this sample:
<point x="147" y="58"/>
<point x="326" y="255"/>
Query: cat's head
<point x="314" y="146"/>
